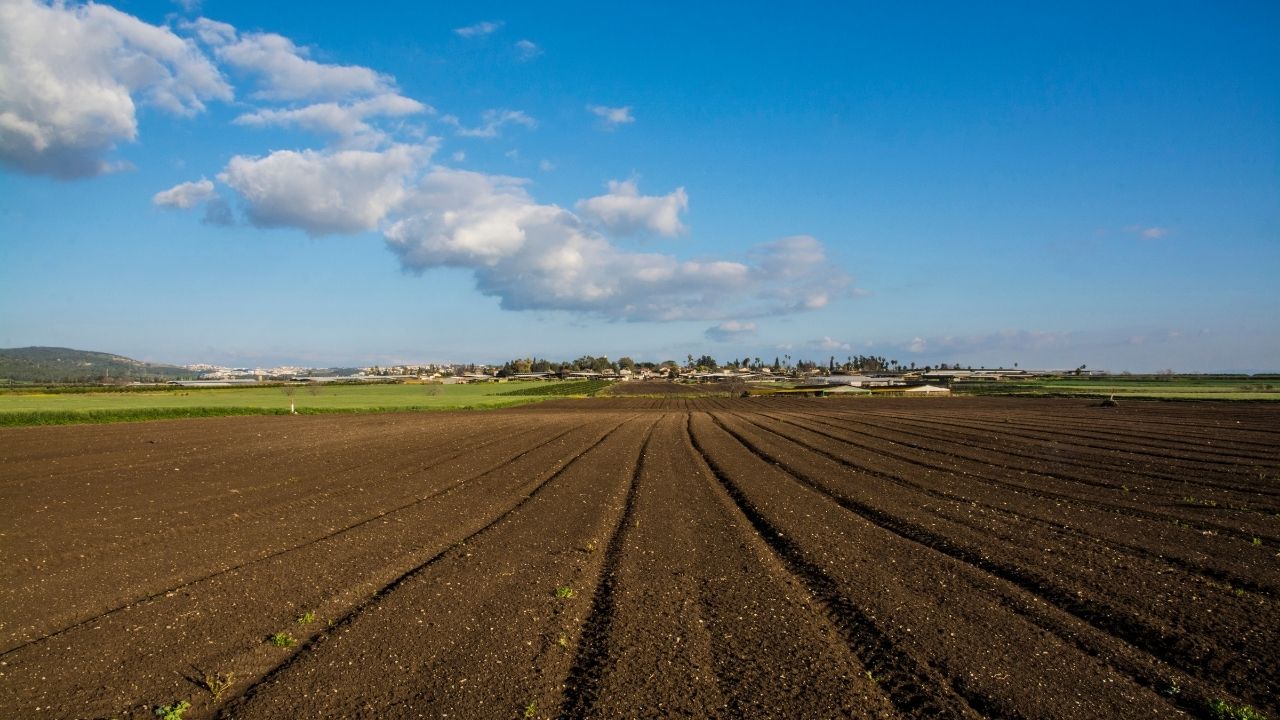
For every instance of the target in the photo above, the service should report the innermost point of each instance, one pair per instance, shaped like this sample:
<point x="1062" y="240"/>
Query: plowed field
<point x="678" y="557"/>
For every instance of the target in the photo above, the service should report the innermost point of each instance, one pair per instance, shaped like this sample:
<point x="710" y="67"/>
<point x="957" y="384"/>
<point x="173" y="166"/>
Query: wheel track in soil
<point x="915" y="676"/>
<point x="351" y="615"/>
<point x="902" y="678"/>
<point x="582" y="686"/>
<point x="1046" y="494"/>
<point x="1132" y="632"/>
<point x="1208" y="573"/>
<point x="270" y="556"/>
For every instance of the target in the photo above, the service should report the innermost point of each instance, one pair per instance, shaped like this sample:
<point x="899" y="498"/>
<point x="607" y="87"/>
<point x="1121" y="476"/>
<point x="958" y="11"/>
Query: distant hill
<point x="54" y="364"/>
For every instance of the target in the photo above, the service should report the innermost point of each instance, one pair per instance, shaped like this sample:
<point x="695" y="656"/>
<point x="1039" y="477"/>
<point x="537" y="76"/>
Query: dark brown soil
<point x="649" y="557"/>
<point x="665" y="388"/>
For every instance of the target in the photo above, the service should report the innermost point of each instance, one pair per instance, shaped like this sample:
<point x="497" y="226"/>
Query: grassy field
<point x="1154" y="387"/>
<point x="39" y="407"/>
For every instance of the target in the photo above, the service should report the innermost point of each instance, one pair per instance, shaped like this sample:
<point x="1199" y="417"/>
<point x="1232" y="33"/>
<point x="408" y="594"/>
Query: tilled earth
<point x="648" y="557"/>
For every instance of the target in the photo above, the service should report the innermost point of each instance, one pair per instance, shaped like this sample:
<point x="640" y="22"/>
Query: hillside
<point x="54" y="364"/>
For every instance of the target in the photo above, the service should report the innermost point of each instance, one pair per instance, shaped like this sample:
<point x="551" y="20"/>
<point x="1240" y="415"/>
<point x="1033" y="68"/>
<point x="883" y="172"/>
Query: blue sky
<point x="261" y="183"/>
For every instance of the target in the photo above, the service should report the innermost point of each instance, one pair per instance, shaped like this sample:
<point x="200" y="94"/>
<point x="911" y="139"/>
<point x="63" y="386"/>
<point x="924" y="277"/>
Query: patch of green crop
<point x="1223" y="710"/>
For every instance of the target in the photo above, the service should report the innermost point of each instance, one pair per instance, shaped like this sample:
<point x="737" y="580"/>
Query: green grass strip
<point x="76" y="417"/>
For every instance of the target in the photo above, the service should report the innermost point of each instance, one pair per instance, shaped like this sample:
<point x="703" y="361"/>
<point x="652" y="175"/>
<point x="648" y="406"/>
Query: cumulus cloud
<point x="185" y="195"/>
<point x="327" y="192"/>
<point x="527" y="50"/>
<point x="612" y="117"/>
<point x="731" y="331"/>
<point x="491" y="122"/>
<point x="349" y="121"/>
<point x="479" y="29"/>
<point x="284" y="70"/>
<point x="70" y="78"/>
<point x="625" y="211"/>
<point x="542" y="257"/>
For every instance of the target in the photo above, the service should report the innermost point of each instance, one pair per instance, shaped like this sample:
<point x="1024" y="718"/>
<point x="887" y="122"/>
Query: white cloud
<point x="211" y="32"/>
<point x="324" y="193"/>
<point x="542" y="257"/>
<point x="491" y="122"/>
<point x="459" y="156"/>
<point x="917" y="345"/>
<point x="546" y="165"/>
<point x="527" y="50"/>
<point x="625" y="211"/>
<point x="185" y="195"/>
<point x="479" y="29"/>
<point x="286" y="73"/>
<point x="612" y="117"/>
<point x="731" y="331"/>
<point x="70" y="78"/>
<point x="349" y="122"/>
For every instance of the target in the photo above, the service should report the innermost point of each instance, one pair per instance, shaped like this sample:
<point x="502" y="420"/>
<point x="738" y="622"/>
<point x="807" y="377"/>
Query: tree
<point x="628" y="363"/>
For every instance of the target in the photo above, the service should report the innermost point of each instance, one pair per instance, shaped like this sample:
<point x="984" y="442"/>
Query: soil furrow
<point x="283" y="551"/>
<point x="996" y="441"/>
<point x="1106" y="616"/>
<point x="981" y="474"/>
<point x="914" y="689"/>
<point x="1051" y="518"/>
<point x="242" y="704"/>
<point x="582" y="686"/>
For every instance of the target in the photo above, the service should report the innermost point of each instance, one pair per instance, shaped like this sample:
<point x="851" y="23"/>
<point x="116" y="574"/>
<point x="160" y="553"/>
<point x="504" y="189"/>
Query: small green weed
<point x="283" y="640"/>
<point x="173" y="711"/>
<point x="1222" y="710"/>
<point x="565" y="592"/>
<point x="563" y="640"/>
<point x="531" y="710"/>
<point x="306" y="618"/>
<point x="1257" y="542"/>
<point x="216" y="683"/>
